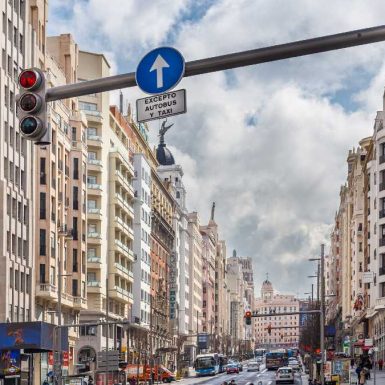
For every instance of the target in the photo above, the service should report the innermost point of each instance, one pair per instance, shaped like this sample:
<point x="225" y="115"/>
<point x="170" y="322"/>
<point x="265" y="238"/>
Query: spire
<point x="212" y="211"/>
<point x="234" y="253"/>
<point x="163" y="130"/>
<point x="121" y="102"/>
<point x="267" y="276"/>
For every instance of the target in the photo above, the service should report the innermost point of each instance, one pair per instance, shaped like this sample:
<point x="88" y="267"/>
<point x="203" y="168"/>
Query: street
<point x="265" y="376"/>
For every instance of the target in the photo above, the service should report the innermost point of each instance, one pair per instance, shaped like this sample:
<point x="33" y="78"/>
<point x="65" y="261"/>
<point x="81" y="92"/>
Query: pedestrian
<point x="363" y="376"/>
<point x="352" y="362"/>
<point x="380" y="363"/>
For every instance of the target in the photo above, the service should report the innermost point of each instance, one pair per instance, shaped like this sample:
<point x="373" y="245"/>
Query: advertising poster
<point x="9" y="362"/>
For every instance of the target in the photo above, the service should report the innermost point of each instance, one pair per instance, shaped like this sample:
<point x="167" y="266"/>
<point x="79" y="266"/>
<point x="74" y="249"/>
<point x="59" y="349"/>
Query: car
<point x="284" y="374"/>
<point x="240" y="366"/>
<point x="232" y="368"/>
<point x="253" y="366"/>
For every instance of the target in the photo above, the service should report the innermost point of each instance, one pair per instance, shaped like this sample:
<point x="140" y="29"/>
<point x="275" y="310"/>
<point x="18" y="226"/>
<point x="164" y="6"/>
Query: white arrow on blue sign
<point x="160" y="70"/>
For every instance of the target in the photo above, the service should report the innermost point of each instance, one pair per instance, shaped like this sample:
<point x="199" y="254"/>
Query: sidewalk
<point x="380" y="378"/>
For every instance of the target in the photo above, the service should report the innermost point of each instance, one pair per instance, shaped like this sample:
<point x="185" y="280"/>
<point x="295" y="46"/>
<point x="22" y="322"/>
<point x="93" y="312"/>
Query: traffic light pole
<point x="233" y="60"/>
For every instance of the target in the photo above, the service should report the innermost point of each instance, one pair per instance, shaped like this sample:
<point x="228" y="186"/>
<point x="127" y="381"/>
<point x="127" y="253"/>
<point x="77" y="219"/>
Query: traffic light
<point x="248" y="317"/>
<point x="269" y="329"/>
<point x="32" y="107"/>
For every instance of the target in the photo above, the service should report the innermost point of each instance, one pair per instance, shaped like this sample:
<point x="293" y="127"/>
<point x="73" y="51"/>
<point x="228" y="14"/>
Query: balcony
<point x="94" y="260"/>
<point x="380" y="303"/>
<point x="381" y="214"/>
<point x="131" y="255"/>
<point x="94" y="188"/>
<point x="46" y="290"/>
<point x="94" y="140"/>
<point x="382" y="186"/>
<point x="121" y="247"/>
<point x="94" y="286"/>
<point x="121" y="270"/>
<point x="381" y="271"/>
<point x="382" y="241"/>
<point x="94" y="164"/>
<point x="79" y="303"/>
<point x="121" y="294"/>
<point x="94" y="238"/>
<point x="94" y="213"/>
<point x="381" y="159"/>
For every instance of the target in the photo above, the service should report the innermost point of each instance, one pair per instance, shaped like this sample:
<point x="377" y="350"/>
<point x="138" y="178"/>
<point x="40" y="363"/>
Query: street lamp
<point x="320" y="276"/>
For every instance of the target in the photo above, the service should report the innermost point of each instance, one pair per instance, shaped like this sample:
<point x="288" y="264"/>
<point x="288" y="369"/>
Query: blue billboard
<point x="37" y="336"/>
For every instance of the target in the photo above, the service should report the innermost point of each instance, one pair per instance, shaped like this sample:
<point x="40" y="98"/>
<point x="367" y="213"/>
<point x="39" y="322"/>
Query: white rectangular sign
<point x="369" y="342"/>
<point x="367" y="277"/>
<point x="160" y="106"/>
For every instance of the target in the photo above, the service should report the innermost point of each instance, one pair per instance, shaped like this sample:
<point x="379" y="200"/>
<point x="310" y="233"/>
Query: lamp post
<point x="321" y="278"/>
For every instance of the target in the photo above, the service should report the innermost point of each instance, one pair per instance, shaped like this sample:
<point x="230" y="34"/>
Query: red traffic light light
<point x="248" y="314"/>
<point x="30" y="79"/>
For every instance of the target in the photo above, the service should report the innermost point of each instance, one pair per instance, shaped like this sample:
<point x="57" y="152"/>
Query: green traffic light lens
<point x="29" y="125"/>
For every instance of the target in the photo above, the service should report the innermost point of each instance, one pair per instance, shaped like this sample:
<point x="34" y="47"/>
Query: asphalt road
<point x="265" y="376"/>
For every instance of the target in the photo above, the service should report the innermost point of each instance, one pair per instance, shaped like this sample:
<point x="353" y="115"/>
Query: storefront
<point x="21" y="344"/>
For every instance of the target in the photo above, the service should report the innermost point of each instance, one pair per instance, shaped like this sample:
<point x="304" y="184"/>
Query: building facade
<point x="284" y="328"/>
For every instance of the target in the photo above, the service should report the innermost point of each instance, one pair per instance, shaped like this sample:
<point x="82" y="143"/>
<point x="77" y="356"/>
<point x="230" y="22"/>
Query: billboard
<point x="36" y="336"/>
<point x="203" y="341"/>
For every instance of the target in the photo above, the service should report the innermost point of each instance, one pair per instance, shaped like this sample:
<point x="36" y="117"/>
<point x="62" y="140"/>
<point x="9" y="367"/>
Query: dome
<point x="164" y="155"/>
<point x="267" y="285"/>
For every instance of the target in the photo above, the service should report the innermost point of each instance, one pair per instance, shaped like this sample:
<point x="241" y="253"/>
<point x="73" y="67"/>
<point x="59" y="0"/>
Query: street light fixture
<point x="320" y="276"/>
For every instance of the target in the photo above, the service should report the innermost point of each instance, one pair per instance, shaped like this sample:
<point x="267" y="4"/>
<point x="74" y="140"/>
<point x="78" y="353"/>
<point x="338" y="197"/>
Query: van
<point x="284" y="374"/>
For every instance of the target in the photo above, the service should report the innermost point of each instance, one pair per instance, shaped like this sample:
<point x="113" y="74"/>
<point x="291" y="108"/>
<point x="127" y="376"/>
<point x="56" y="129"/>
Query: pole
<point x="108" y="325"/>
<point x="374" y="366"/>
<point x="233" y="60"/>
<point x="322" y="315"/>
<point x="318" y="283"/>
<point x="59" y="334"/>
<point x="312" y="293"/>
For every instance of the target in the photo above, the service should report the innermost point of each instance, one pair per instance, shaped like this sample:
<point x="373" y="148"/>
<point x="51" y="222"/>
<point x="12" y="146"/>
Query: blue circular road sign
<point x="160" y="70"/>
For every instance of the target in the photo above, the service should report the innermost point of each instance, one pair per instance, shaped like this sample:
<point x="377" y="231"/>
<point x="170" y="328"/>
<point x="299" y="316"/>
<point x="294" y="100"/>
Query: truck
<point x="159" y="373"/>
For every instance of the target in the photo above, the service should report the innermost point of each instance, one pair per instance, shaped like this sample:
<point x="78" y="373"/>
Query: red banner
<point x="50" y="359"/>
<point x="65" y="359"/>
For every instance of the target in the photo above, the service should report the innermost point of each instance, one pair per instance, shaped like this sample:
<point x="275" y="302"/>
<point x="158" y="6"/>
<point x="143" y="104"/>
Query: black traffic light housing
<point x="32" y="107"/>
<point x="248" y="317"/>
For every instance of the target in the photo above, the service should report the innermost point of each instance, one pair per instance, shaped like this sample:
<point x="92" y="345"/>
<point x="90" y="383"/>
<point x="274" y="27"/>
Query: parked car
<point x="253" y="366"/>
<point x="284" y="374"/>
<point x="232" y="368"/>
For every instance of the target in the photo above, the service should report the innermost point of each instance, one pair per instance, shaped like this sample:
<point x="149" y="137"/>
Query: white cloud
<point x="268" y="143"/>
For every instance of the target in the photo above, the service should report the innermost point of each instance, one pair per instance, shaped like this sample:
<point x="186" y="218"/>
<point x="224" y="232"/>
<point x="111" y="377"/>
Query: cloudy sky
<point x="267" y="143"/>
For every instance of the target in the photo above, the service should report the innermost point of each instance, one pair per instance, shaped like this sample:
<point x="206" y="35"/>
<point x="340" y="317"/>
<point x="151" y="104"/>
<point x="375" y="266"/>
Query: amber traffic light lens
<point x="29" y="79"/>
<point x="28" y="102"/>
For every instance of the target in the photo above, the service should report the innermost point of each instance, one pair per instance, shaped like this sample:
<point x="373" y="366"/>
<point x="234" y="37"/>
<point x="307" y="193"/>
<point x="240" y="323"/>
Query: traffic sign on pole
<point x="160" y="70"/>
<point x="161" y="106"/>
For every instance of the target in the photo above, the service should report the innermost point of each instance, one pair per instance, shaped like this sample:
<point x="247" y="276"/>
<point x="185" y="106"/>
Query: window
<point x="75" y="287"/>
<point x="52" y="276"/>
<point x="75" y="260"/>
<point x="11" y="277"/>
<point x="43" y="180"/>
<point x="88" y="106"/>
<point x="91" y="204"/>
<point x="75" y="228"/>
<point x="75" y="201"/>
<point x="91" y="253"/>
<point x="91" y="155"/>
<point x="76" y="168"/>
<point x="43" y="242"/>
<point x="91" y="179"/>
<point x="91" y="131"/>
<point x="42" y="273"/>
<point x="74" y="134"/>
<point x="42" y="205"/>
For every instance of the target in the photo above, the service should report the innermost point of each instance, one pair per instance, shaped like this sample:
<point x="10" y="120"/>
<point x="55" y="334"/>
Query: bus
<point x="276" y="359"/>
<point x="222" y="362"/>
<point x="206" y="364"/>
<point x="259" y="352"/>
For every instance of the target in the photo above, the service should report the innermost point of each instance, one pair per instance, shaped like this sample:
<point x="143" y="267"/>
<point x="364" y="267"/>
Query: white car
<point x="284" y="374"/>
<point x="253" y="366"/>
